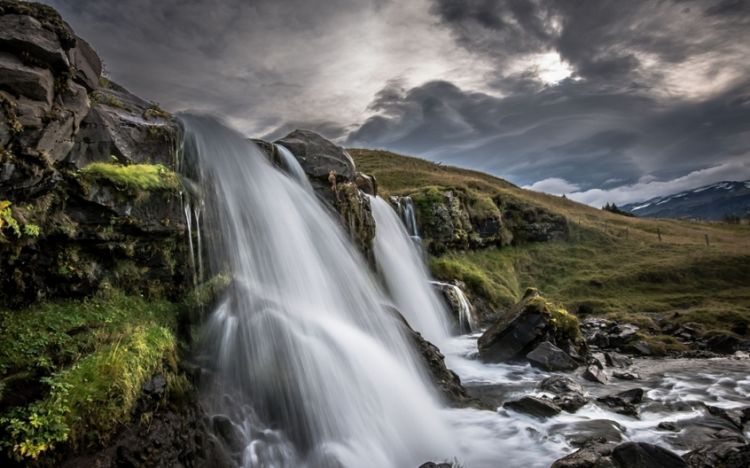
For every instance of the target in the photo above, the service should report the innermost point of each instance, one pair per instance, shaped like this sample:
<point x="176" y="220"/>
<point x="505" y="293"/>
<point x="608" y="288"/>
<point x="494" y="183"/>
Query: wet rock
<point x="534" y="406"/>
<point x="735" y="417"/>
<point x="319" y="156"/>
<point x="529" y="323"/>
<point x="366" y="183"/>
<point x="721" y="454"/>
<point x="626" y="375"/>
<point x="568" y="394"/>
<point x="624" y="402"/>
<point x="228" y="433"/>
<point x="589" y="432"/>
<point x="617" y="360"/>
<point x="668" y="426"/>
<point x="644" y="455"/>
<point x="592" y="456"/>
<point x="622" y="334"/>
<point x="551" y="358"/>
<point x="595" y="374"/>
<point x="436" y="465"/>
<point x="87" y="64"/>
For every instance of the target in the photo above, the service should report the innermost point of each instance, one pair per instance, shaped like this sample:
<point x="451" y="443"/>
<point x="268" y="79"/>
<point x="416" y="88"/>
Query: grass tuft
<point x="145" y="177"/>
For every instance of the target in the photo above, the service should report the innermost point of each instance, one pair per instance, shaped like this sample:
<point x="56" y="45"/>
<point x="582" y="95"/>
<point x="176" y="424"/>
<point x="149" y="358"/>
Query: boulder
<point x="534" y="406"/>
<point x="595" y="374"/>
<point x="436" y="465"/>
<point x="87" y="64"/>
<point x="319" y="156"/>
<point x="617" y="360"/>
<point x="531" y="321"/>
<point x="722" y="343"/>
<point x="551" y="358"/>
<point x="24" y="36"/>
<point x="22" y="80"/>
<point x="625" y="375"/>
<point x="644" y="455"/>
<point x="624" y="402"/>
<point x="592" y="456"/>
<point x="588" y="432"/>
<point x="568" y="394"/>
<point x="719" y="454"/>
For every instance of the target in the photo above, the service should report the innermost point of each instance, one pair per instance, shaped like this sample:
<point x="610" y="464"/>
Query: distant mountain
<point x="713" y="202"/>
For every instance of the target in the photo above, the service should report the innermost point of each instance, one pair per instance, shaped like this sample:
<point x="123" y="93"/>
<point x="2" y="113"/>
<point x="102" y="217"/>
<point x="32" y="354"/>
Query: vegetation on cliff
<point x="632" y="269"/>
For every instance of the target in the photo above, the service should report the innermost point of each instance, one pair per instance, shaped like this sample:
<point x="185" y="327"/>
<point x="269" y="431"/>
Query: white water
<point x="293" y="167"/>
<point x="405" y="275"/>
<point x="466" y="321"/>
<point x="308" y="364"/>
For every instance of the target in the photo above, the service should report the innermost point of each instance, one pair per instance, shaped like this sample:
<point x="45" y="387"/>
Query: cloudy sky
<point x="604" y="100"/>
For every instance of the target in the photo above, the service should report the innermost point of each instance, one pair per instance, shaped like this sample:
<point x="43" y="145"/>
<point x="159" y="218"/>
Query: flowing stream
<point x="309" y="368"/>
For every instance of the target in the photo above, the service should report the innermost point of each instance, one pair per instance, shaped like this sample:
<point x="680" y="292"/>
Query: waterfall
<point x="405" y="275"/>
<point x="307" y="363"/>
<point x="293" y="167"/>
<point x="406" y="210"/>
<point x="459" y="302"/>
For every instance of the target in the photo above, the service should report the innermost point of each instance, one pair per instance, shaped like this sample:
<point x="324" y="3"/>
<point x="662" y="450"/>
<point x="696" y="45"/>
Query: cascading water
<point x="293" y="167"/>
<point x="466" y="322"/>
<point x="309" y="366"/>
<point x="405" y="276"/>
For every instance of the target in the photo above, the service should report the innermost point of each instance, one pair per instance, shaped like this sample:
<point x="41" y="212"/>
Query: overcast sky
<point x="606" y="101"/>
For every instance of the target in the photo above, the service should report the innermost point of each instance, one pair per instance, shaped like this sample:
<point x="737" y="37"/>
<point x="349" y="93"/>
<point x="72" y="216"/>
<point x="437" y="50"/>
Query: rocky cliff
<point x="89" y="195"/>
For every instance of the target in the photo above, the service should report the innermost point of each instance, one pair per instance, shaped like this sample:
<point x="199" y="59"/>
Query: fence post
<point x="708" y="244"/>
<point x="658" y="233"/>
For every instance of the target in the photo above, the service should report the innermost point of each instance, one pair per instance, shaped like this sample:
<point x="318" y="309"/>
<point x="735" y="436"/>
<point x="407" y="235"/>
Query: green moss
<point x="107" y="99"/>
<point x="147" y="177"/>
<point x="156" y="112"/>
<point x="95" y="353"/>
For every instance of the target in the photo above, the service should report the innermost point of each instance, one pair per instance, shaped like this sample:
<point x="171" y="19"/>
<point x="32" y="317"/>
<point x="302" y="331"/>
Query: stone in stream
<point x="588" y="432"/>
<point x="592" y="456"/>
<point x="640" y="348"/>
<point x="734" y="416"/>
<point x="436" y="465"/>
<point x="624" y="402"/>
<point x="644" y="455"/>
<point x="668" y="426"/>
<point x="534" y="406"/>
<point x="595" y="374"/>
<point x="569" y="394"/>
<point x="719" y="454"/>
<point x="551" y="358"/>
<point x="617" y="360"/>
<point x="625" y="375"/>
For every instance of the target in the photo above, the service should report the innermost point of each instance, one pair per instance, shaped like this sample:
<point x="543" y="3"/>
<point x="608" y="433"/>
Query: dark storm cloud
<point x="575" y="95"/>
<point x="569" y="131"/>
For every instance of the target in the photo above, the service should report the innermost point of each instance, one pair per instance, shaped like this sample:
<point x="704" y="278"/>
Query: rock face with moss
<point x="534" y="330"/>
<point x="336" y="181"/>
<point x="462" y="218"/>
<point x="89" y="195"/>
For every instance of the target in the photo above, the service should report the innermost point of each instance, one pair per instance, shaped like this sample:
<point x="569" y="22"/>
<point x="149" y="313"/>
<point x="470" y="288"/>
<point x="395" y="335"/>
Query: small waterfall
<point x="308" y="365"/>
<point x="461" y="304"/>
<point x="406" y="210"/>
<point x="405" y="275"/>
<point x="293" y="167"/>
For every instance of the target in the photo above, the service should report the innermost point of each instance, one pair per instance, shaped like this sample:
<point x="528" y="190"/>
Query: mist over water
<point x="308" y="365"/>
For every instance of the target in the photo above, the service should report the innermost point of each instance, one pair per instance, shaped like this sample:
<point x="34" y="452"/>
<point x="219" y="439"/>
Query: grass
<point x="611" y="265"/>
<point x="71" y="371"/>
<point x="144" y="177"/>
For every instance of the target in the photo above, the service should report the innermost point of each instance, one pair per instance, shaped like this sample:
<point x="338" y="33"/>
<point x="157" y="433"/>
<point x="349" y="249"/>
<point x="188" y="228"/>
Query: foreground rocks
<point x="537" y="329"/>
<point x="626" y="455"/>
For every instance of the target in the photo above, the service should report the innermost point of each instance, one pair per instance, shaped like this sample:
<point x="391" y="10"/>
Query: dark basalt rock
<point x="719" y="454"/>
<point x="551" y="358"/>
<point x="568" y="394"/>
<point x="643" y="455"/>
<point x="589" y="432"/>
<point x="591" y="456"/>
<point x="624" y="402"/>
<point x="318" y="156"/>
<point x="595" y="374"/>
<point x="617" y="360"/>
<point x="534" y="406"/>
<point x="529" y="324"/>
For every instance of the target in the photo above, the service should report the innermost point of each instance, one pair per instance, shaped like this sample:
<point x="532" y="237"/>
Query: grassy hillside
<point x="642" y="270"/>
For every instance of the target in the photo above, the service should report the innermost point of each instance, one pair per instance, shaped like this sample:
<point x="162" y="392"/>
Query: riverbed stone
<point x="534" y="406"/>
<point x="624" y="402"/>
<point x="645" y="455"/>
<point x="595" y="374"/>
<point x="551" y="358"/>
<point x="617" y="360"/>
